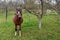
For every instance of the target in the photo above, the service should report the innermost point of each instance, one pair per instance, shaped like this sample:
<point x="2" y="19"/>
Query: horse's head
<point x="19" y="14"/>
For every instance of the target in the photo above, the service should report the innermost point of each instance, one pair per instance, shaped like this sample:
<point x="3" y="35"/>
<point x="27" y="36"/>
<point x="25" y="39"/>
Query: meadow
<point x="50" y="29"/>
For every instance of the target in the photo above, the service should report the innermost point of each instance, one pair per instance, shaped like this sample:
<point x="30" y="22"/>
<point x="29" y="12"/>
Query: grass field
<point x="50" y="28"/>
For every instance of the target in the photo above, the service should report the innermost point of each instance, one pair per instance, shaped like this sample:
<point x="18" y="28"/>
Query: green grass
<point x="50" y="28"/>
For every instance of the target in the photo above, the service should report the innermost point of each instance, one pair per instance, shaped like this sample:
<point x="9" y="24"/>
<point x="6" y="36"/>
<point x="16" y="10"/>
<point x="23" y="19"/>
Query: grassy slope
<point x="50" y="28"/>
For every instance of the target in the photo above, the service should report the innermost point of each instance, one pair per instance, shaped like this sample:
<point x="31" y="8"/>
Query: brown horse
<point x="18" y="21"/>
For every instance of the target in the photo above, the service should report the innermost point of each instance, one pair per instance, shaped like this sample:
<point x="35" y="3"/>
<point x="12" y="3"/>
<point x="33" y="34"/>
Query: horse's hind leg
<point x="19" y="32"/>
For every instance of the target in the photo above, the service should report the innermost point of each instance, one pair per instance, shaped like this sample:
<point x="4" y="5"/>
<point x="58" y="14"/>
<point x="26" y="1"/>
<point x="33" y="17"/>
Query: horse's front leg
<point x="15" y="30"/>
<point x="20" y="31"/>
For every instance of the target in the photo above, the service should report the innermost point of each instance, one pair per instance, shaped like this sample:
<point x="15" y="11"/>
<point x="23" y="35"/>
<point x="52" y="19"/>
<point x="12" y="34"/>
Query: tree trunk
<point x="40" y="15"/>
<point x="6" y="12"/>
<point x="59" y="17"/>
<point x="40" y="22"/>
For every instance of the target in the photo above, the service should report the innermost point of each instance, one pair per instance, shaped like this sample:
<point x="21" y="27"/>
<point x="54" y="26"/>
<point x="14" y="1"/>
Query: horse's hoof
<point x="15" y="33"/>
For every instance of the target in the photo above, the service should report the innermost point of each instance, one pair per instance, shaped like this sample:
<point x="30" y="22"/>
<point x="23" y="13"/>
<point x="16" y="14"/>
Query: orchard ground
<point x="50" y="29"/>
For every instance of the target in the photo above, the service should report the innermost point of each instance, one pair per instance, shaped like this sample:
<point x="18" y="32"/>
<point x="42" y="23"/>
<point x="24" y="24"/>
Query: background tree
<point x="35" y="7"/>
